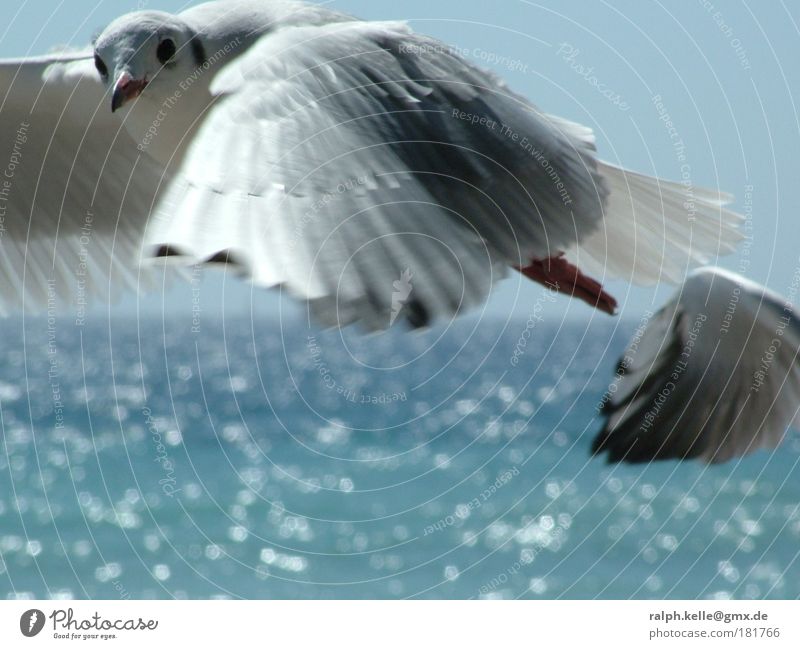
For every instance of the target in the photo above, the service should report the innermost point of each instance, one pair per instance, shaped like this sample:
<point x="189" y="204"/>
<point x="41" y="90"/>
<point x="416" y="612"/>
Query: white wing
<point x="655" y="230"/>
<point x="74" y="193"/>
<point x="336" y="157"/>
<point x="714" y="375"/>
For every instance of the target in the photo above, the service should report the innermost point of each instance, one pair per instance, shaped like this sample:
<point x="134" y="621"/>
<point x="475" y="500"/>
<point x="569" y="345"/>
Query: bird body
<point x="326" y="155"/>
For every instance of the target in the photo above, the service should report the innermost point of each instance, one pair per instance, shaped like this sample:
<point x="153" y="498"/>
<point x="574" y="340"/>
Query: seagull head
<point x="145" y="49"/>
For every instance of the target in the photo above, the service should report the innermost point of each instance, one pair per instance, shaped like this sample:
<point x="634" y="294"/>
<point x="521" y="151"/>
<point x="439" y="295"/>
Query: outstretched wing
<point x="74" y="191"/>
<point x="714" y="375"/>
<point x="338" y="156"/>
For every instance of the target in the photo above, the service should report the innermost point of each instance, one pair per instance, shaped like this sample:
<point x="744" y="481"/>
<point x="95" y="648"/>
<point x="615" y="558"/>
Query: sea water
<point x="247" y="459"/>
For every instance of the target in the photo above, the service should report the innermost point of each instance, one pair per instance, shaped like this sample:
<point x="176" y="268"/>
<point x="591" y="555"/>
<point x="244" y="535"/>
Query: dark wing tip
<point x="599" y="442"/>
<point x="163" y="251"/>
<point x="417" y="315"/>
<point x="223" y="257"/>
<point x="616" y="450"/>
<point x="624" y="445"/>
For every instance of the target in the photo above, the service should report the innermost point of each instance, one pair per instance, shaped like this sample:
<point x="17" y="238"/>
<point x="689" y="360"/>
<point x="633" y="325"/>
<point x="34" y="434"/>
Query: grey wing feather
<point x="350" y="145"/>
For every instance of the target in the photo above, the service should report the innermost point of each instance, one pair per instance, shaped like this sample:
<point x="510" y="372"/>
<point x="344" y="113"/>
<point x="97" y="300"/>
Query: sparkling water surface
<point x="240" y="459"/>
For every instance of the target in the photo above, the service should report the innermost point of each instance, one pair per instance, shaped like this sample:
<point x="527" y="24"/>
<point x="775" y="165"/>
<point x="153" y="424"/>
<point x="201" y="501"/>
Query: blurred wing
<point x="337" y="157"/>
<point x="655" y="230"/>
<point x="715" y="375"/>
<point x="74" y="193"/>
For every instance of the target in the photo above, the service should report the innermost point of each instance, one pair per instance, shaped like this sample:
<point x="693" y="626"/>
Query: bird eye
<point x="166" y="50"/>
<point x="101" y="67"/>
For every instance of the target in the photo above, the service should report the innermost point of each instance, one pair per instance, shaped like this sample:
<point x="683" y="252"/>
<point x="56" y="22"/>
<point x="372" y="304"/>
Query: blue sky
<point x="728" y="75"/>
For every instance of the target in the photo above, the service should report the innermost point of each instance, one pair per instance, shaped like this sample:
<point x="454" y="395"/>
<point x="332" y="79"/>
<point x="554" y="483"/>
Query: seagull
<point x="306" y="150"/>
<point x="714" y="375"/>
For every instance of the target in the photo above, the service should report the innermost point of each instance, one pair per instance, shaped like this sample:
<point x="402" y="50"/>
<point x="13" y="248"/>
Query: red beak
<point x="126" y="89"/>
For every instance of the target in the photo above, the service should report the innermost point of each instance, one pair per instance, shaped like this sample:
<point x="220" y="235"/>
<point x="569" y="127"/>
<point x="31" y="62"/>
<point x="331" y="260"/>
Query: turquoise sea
<point x="246" y="459"/>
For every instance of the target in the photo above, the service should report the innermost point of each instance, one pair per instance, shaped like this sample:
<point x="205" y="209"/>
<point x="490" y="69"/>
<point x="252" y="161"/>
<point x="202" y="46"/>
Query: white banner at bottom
<point x="379" y="624"/>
